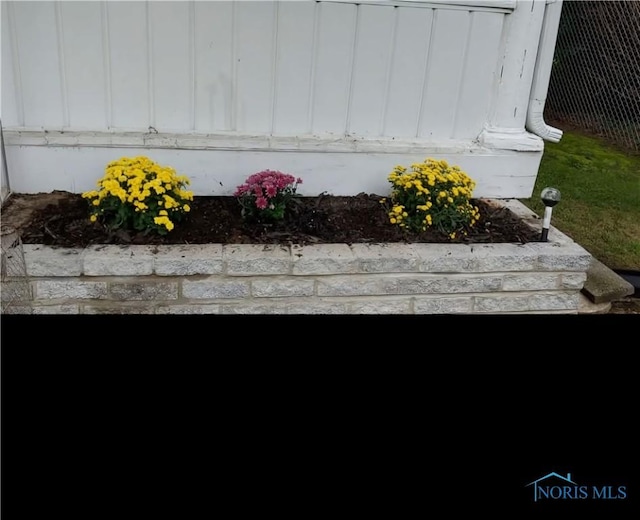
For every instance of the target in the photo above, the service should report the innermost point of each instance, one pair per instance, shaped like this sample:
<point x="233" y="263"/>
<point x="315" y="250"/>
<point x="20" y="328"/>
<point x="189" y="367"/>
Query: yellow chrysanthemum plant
<point x="138" y="194"/>
<point x="432" y="194"/>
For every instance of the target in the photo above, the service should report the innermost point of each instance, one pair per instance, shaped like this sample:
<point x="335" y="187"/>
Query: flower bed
<point x="385" y="278"/>
<point x="301" y="277"/>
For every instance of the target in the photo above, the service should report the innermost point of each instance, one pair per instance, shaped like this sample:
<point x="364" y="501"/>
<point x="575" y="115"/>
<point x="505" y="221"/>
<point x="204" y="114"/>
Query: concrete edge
<point x="604" y="285"/>
<point x="586" y="306"/>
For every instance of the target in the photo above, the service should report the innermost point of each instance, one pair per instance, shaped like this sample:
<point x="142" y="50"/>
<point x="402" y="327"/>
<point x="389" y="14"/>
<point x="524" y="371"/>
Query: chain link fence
<point x="15" y="288"/>
<point x="595" y="79"/>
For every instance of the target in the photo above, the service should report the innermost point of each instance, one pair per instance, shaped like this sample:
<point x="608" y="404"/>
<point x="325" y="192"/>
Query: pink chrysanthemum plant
<point x="265" y="195"/>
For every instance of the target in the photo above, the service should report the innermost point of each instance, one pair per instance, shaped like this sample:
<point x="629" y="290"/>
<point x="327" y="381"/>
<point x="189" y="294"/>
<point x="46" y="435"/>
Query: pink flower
<point x="241" y="190"/>
<point x="271" y="190"/>
<point x="262" y="188"/>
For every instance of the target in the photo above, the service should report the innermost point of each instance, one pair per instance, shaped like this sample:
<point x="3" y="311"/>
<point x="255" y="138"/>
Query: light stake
<point x="550" y="197"/>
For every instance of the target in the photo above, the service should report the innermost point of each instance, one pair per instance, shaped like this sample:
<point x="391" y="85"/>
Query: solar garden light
<point x="550" y="197"/>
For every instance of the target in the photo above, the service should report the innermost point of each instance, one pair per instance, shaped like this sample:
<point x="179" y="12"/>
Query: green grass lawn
<point x="600" y="204"/>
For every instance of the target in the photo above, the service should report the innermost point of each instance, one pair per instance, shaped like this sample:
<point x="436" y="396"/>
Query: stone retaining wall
<point x="315" y="279"/>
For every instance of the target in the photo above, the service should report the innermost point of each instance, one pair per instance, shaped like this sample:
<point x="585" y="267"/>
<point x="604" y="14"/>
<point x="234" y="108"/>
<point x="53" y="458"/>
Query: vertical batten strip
<point x="461" y="74"/>
<point x="387" y="88"/>
<point x="352" y="67"/>
<point x="234" y="72"/>
<point x="427" y="65"/>
<point x="15" y="58"/>
<point x="274" y="68"/>
<point x="314" y="62"/>
<point x="152" y="111"/>
<point x="61" y="65"/>
<point x="192" y="63"/>
<point x="106" y="57"/>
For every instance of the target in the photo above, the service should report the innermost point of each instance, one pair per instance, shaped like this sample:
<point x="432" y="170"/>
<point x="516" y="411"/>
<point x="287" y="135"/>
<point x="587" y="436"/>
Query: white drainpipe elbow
<point x="536" y="124"/>
<point x="542" y="74"/>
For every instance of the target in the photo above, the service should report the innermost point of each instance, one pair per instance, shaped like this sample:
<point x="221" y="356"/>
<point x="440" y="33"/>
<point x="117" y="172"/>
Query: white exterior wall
<point x="335" y="92"/>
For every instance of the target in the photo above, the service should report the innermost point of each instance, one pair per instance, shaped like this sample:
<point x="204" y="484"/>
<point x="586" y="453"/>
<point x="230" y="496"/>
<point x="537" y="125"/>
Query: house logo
<point x="554" y="486"/>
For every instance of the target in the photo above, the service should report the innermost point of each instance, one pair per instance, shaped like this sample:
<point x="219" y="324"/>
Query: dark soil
<point x="63" y="221"/>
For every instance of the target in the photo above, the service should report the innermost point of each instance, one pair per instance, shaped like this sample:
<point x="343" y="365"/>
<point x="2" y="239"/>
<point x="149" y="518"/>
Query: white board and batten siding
<point x="336" y="92"/>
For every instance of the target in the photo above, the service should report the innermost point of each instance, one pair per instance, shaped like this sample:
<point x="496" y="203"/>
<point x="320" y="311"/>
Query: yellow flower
<point x="186" y="195"/>
<point x="186" y="207"/>
<point x="169" y="202"/>
<point x="164" y="221"/>
<point x="93" y="218"/>
<point x="96" y="202"/>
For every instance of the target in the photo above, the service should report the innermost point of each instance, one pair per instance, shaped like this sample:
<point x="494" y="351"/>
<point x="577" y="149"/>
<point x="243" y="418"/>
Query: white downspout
<point x="542" y="74"/>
